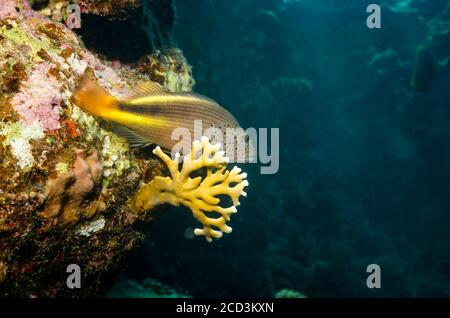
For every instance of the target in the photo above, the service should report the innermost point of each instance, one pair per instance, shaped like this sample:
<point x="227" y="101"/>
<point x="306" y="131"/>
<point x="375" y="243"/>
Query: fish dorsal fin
<point x="133" y="138"/>
<point x="144" y="89"/>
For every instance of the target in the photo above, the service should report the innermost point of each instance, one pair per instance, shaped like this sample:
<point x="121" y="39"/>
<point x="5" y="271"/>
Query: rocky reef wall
<point x="65" y="178"/>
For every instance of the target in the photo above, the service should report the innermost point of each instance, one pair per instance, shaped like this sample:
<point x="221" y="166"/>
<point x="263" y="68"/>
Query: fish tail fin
<point x="93" y="98"/>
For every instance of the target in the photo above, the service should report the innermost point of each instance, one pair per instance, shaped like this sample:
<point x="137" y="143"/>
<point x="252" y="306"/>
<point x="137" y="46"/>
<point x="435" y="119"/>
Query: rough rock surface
<point x="65" y="179"/>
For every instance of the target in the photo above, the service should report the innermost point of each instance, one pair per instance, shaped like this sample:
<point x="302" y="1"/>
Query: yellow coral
<point x="200" y="194"/>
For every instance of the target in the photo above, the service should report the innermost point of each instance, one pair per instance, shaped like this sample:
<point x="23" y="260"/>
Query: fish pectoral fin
<point x="133" y="139"/>
<point x="144" y="89"/>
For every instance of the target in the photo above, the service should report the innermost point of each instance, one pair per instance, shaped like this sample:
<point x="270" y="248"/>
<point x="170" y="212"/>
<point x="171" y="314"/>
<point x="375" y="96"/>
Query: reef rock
<point x="65" y="179"/>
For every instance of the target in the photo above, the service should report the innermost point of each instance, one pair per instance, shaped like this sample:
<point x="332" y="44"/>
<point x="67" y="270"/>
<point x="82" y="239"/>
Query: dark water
<point x="364" y="172"/>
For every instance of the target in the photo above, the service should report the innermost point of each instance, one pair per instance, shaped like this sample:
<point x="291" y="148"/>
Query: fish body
<point x="151" y="114"/>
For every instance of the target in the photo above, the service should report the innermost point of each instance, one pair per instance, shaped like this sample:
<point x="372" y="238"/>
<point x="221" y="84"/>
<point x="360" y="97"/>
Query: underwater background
<point x="364" y="119"/>
<point x="363" y="115"/>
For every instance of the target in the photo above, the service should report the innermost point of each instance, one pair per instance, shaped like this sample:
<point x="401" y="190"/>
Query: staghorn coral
<point x="200" y="194"/>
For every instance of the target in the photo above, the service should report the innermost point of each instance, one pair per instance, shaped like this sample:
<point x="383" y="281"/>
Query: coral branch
<point x="200" y="194"/>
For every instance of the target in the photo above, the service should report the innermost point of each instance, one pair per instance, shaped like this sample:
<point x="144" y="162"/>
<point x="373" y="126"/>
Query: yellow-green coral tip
<point x="227" y="229"/>
<point x="204" y="139"/>
<point x="157" y="149"/>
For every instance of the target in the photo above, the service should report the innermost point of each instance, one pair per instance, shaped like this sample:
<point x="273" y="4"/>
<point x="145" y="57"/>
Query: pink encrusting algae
<point x="8" y="9"/>
<point x="13" y="8"/>
<point x="39" y="99"/>
<point x="106" y="76"/>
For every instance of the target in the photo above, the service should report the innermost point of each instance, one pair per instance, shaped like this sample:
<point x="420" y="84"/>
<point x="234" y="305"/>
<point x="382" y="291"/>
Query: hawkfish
<point x="149" y="114"/>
